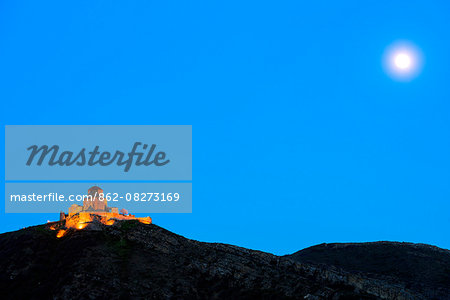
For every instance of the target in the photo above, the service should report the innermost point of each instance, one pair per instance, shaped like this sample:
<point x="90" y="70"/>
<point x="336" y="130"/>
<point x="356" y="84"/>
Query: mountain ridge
<point x="421" y="267"/>
<point x="131" y="260"/>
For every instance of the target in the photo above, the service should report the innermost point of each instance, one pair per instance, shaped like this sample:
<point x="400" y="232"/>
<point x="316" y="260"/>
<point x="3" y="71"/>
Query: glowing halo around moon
<point x="403" y="61"/>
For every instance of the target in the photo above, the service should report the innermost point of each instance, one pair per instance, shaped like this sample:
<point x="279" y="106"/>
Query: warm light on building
<point x="80" y="217"/>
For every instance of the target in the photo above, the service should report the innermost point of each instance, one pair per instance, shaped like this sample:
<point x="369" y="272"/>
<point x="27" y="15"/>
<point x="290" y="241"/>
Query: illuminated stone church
<point x="93" y="204"/>
<point x="95" y="208"/>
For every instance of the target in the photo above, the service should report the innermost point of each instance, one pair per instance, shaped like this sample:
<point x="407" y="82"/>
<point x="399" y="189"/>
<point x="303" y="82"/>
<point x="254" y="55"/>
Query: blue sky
<point x="299" y="136"/>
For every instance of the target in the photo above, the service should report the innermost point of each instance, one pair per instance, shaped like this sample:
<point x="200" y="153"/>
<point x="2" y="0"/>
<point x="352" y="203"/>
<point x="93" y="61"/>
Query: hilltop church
<point x="92" y="204"/>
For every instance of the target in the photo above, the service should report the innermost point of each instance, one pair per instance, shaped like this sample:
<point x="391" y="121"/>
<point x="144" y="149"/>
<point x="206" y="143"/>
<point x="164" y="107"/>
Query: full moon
<point x="402" y="61"/>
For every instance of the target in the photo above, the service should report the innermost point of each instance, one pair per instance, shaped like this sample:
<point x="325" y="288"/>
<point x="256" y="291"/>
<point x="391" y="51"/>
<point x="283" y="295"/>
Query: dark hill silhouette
<point x="130" y="260"/>
<point x="419" y="267"/>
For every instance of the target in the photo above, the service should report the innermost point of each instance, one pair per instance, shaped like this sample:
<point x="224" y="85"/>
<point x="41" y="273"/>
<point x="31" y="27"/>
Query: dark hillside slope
<point x="130" y="260"/>
<point x="422" y="268"/>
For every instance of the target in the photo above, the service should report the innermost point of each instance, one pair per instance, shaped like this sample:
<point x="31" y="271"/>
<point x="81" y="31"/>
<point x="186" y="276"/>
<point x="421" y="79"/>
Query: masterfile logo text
<point x="107" y="152"/>
<point x="91" y="158"/>
<point x="133" y="163"/>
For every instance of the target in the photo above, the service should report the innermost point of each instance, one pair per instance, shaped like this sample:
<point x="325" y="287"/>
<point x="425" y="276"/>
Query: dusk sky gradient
<point x="299" y="135"/>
